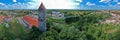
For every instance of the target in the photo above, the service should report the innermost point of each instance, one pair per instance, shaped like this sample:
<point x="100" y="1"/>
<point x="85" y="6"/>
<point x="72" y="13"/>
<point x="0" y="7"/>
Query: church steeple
<point x="41" y="7"/>
<point x="42" y="18"/>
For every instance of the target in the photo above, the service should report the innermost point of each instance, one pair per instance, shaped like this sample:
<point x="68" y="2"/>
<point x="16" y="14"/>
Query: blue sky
<point x="61" y="4"/>
<point x="17" y="4"/>
<point x="97" y="4"/>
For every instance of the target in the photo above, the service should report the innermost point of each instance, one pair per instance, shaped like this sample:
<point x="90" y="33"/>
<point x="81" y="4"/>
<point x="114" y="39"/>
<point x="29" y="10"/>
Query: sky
<point x="61" y="4"/>
<point x="98" y="4"/>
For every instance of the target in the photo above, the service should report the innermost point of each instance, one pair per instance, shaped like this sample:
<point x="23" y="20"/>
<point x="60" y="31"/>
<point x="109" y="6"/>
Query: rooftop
<point x="31" y="21"/>
<point x="41" y="7"/>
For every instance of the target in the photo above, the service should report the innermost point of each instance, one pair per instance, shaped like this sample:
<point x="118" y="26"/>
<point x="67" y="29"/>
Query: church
<point x="42" y="18"/>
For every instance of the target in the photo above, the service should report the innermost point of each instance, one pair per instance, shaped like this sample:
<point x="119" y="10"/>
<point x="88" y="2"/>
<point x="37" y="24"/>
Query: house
<point x="118" y="18"/>
<point x="110" y="20"/>
<point x="7" y="18"/>
<point x="57" y="15"/>
<point x="1" y="18"/>
<point x="31" y="21"/>
<point x="113" y="13"/>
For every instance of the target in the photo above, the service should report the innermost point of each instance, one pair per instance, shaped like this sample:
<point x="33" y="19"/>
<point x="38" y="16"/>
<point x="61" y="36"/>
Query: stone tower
<point x="42" y="18"/>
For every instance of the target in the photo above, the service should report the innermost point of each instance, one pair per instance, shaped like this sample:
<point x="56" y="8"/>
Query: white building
<point x="110" y="20"/>
<point x="113" y="13"/>
<point x="57" y="15"/>
<point x="7" y="18"/>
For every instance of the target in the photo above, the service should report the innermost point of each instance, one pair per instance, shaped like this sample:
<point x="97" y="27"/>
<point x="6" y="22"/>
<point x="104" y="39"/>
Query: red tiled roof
<point x="110" y="19"/>
<point x="31" y="21"/>
<point x="113" y="12"/>
<point x="6" y="17"/>
<point x="1" y="18"/>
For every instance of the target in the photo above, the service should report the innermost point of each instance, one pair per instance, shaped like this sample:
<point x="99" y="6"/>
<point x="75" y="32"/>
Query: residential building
<point x="57" y="15"/>
<point x="110" y="20"/>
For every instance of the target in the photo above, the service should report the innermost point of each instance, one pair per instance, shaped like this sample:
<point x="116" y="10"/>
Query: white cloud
<point x="89" y="4"/>
<point x="115" y="0"/>
<point x="2" y="4"/>
<point x="14" y="1"/>
<point x="30" y="3"/>
<point x="105" y="1"/>
<point x="55" y="4"/>
<point x="118" y="3"/>
<point x="49" y="4"/>
<point x="16" y="6"/>
<point x="79" y="0"/>
<point x="77" y="3"/>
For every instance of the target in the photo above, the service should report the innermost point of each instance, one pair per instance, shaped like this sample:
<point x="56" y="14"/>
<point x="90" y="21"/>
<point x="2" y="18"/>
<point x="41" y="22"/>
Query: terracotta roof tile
<point x="31" y="21"/>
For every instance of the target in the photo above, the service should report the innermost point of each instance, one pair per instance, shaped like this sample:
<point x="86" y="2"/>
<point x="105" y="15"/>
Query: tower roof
<point x="41" y="7"/>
